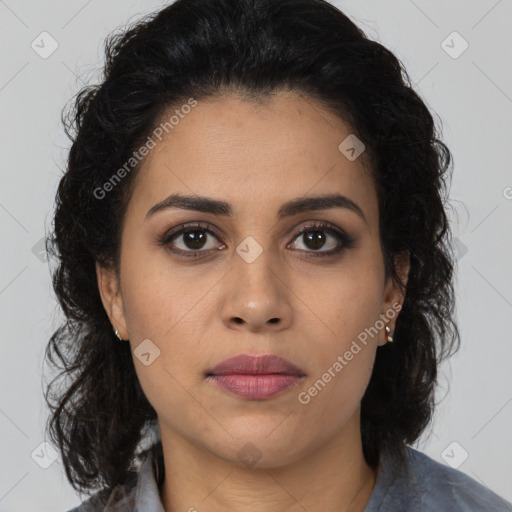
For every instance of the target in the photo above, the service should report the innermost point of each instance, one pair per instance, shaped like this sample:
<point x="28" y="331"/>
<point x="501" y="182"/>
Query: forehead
<point x="254" y="155"/>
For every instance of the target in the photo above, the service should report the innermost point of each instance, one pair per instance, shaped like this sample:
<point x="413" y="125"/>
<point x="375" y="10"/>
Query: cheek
<point x="341" y="304"/>
<point x="339" y="320"/>
<point x="172" y="308"/>
<point x="160" y="298"/>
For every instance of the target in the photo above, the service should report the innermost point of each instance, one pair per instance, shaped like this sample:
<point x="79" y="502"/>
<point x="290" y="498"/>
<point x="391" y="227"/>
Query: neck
<point x="332" y="478"/>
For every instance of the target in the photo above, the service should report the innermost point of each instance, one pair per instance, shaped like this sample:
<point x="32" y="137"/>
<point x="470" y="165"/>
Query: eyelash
<point x="346" y="241"/>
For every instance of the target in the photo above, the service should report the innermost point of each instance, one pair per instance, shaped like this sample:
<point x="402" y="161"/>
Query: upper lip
<point x="249" y="364"/>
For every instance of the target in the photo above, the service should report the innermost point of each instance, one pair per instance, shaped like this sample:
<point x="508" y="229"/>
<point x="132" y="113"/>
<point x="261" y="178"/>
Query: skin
<point x="201" y="311"/>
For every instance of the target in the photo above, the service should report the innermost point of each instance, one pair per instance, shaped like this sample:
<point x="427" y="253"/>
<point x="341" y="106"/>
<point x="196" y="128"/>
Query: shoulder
<point x="427" y="485"/>
<point x="443" y="485"/>
<point x="140" y="492"/>
<point x="121" y="498"/>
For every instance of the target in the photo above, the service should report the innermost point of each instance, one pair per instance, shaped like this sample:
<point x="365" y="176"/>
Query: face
<point x="245" y="280"/>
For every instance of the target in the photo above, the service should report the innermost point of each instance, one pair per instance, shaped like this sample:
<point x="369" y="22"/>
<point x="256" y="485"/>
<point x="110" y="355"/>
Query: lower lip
<point x="255" y="387"/>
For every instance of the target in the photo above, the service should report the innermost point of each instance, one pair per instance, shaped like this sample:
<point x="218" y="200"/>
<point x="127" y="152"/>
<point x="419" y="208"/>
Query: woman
<point x="254" y="262"/>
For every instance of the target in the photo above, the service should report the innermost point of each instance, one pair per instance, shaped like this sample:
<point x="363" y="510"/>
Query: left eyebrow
<point x="288" y="209"/>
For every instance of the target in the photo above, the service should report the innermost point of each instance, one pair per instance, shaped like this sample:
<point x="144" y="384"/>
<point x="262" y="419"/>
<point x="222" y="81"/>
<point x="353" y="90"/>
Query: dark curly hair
<point x="100" y="418"/>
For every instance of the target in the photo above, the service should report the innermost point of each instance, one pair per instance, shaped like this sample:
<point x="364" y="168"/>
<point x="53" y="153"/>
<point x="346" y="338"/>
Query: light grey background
<point x="472" y="94"/>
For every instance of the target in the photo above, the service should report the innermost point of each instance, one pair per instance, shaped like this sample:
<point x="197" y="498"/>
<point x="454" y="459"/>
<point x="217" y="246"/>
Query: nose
<point x="256" y="297"/>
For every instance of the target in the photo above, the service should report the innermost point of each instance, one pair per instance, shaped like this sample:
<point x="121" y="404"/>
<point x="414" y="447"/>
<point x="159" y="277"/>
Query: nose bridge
<point x="255" y="295"/>
<point x="255" y="266"/>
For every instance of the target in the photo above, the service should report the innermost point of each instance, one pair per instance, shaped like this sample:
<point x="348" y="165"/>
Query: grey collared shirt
<point x="425" y="486"/>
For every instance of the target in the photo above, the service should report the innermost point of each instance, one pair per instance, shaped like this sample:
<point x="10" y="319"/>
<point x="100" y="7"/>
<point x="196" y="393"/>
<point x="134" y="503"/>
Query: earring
<point x="389" y="333"/>
<point x="117" y="334"/>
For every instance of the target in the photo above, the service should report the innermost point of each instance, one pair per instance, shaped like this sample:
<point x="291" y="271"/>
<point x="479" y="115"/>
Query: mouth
<point x="255" y="377"/>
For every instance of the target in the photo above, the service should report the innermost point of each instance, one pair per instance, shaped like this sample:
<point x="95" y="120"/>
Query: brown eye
<point x="194" y="239"/>
<point x="314" y="239"/>
<point x="322" y="240"/>
<point x="197" y="239"/>
<point x="191" y="240"/>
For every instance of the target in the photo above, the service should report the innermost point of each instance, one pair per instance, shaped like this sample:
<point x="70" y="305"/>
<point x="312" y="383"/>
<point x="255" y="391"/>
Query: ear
<point x="393" y="297"/>
<point x="111" y="297"/>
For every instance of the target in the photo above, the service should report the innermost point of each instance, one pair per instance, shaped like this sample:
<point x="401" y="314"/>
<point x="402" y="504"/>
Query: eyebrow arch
<point x="288" y="209"/>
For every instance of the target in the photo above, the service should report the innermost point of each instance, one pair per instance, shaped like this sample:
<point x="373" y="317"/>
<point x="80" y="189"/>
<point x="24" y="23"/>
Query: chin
<point x="263" y="449"/>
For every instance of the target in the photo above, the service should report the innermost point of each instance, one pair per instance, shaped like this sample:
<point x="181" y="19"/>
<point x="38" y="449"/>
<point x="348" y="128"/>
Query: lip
<point x="255" y="377"/>
<point x="263" y="364"/>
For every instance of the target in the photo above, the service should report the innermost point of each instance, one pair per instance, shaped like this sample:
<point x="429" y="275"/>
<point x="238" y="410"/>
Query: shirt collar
<point x="147" y="498"/>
